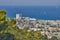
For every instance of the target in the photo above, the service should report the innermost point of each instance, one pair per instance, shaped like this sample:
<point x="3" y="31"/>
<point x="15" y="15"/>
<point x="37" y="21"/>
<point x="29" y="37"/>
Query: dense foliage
<point x="6" y="36"/>
<point x="9" y="30"/>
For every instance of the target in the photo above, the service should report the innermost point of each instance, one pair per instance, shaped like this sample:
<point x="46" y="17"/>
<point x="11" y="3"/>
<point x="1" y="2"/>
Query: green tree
<point x="2" y="19"/>
<point x="2" y="16"/>
<point x="29" y="36"/>
<point x="6" y="36"/>
<point x="53" y="38"/>
<point x="37" y="35"/>
<point x="44" y="37"/>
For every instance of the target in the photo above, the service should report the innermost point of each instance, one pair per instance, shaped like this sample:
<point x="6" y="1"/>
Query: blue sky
<point x="30" y="2"/>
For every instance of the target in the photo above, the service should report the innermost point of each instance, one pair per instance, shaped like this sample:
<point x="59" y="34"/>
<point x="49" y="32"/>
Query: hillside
<point x="9" y="30"/>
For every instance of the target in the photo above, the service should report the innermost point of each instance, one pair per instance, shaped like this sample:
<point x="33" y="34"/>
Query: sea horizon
<point x="38" y="12"/>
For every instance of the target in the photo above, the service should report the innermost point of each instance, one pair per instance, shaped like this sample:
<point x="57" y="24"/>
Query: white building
<point x="18" y="16"/>
<point x="33" y="19"/>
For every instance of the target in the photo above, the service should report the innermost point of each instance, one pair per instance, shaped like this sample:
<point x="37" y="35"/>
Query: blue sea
<point x="38" y="12"/>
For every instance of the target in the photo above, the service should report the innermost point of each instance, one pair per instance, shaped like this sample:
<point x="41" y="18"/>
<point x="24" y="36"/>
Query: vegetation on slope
<point x="9" y="30"/>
